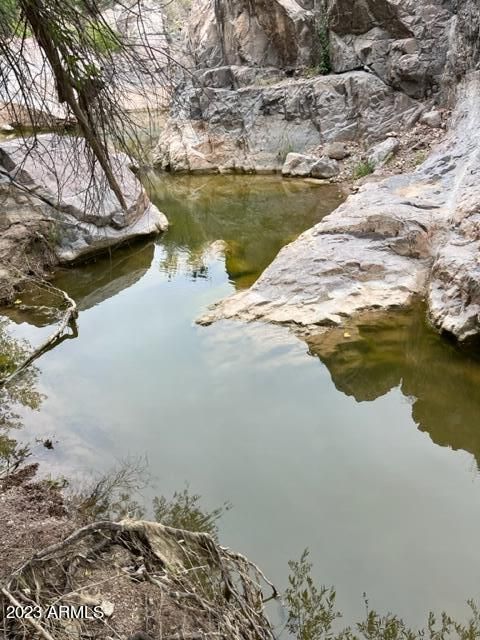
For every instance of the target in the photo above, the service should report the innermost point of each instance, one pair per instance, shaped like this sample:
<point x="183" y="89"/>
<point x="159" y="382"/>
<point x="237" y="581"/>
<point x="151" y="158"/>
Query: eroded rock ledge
<point x="411" y="235"/>
<point x="54" y="210"/>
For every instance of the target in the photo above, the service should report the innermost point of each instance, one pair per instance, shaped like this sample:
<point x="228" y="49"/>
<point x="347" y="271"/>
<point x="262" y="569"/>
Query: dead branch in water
<point x="68" y="320"/>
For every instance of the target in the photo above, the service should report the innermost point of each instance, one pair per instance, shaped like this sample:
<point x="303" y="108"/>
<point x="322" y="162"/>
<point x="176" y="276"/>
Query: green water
<point x="364" y="448"/>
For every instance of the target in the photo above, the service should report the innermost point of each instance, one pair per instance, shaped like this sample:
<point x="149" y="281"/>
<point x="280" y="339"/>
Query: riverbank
<point x="130" y="579"/>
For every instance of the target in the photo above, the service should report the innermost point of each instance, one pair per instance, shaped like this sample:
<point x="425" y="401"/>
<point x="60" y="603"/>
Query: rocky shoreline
<point x="394" y="68"/>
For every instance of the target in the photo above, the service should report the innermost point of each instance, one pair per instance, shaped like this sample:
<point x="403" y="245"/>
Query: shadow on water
<point x="382" y="351"/>
<point x="89" y="284"/>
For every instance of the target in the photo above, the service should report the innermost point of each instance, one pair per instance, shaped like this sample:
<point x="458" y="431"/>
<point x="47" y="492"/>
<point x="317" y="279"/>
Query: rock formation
<point x="408" y="236"/>
<point x="404" y="42"/>
<point x="258" y="99"/>
<point x="53" y="210"/>
<point x="264" y="33"/>
<point x="258" y="92"/>
<point x="253" y="128"/>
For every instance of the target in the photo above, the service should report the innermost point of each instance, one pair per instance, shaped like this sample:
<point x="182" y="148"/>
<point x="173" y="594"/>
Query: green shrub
<point x="312" y="615"/>
<point x="420" y="157"/>
<point x="323" y="64"/>
<point x="9" y="17"/>
<point x="311" y="611"/>
<point x="364" y="168"/>
<point x="184" y="511"/>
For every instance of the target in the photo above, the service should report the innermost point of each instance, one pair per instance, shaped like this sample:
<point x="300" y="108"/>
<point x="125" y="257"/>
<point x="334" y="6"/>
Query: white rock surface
<point x="250" y="129"/>
<point x="55" y="170"/>
<point x="432" y="118"/>
<point x="336" y="151"/>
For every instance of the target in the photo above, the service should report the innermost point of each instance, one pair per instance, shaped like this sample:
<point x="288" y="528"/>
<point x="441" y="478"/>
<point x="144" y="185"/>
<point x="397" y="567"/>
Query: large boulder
<point x="278" y="33"/>
<point x="55" y="209"/>
<point x="254" y="128"/>
<point x="301" y="166"/>
<point x="405" y="237"/>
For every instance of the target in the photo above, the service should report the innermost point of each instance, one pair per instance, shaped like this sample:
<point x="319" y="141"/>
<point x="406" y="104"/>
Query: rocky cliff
<point x="408" y="236"/>
<point x="280" y="76"/>
<point x="264" y="33"/>
<point x="403" y="42"/>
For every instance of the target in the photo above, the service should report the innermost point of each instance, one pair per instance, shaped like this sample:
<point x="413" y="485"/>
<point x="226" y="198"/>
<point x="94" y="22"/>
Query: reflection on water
<point x="380" y="352"/>
<point x="254" y="217"/>
<point x="245" y="416"/>
<point x="21" y="393"/>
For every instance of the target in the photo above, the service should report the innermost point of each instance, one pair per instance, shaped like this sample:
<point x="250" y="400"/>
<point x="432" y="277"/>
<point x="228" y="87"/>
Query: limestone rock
<point x="254" y="127"/>
<point x="404" y="42"/>
<point x="48" y="195"/>
<point x="325" y="168"/>
<point x="382" y="152"/>
<point x="277" y="33"/>
<point x="302" y="166"/>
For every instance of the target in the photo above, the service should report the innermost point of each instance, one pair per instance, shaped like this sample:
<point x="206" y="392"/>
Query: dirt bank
<point x="129" y="580"/>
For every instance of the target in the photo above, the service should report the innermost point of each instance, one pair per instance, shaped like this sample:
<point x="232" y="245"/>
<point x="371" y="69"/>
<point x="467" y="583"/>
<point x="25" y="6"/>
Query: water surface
<point x="363" y="445"/>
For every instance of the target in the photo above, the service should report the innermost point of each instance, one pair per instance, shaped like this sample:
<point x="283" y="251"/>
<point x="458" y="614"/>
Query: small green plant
<point x="57" y="483"/>
<point x="311" y="611"/>
<point x="322" y="53"/>
<point x="312" y="615"/>
<point x="54" y="234"/>
<point x="420" y="157"/>
<point x="9" y="17"/>
<point x="311" y="72"/>
<point x="102" y="38"/>
<point x="12" y="455"/>
<point x="363" y="168"/>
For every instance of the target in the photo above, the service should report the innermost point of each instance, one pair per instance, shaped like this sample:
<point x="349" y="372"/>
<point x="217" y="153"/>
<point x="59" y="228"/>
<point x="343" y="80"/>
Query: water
<point x="362" y="446"/>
